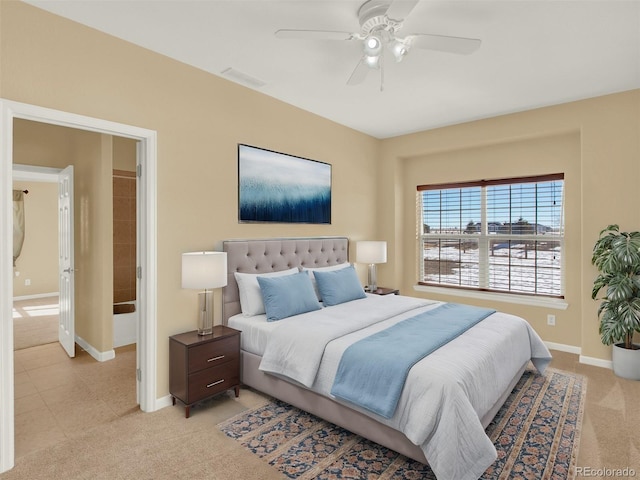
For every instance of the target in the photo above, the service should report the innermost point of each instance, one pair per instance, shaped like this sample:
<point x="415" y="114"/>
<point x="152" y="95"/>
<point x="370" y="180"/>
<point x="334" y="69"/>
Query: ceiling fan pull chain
<point x="382" y="73"/>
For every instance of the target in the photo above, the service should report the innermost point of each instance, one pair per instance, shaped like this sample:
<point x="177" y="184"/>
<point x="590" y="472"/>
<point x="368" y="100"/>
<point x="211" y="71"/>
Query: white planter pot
<point x="626" y="362"/>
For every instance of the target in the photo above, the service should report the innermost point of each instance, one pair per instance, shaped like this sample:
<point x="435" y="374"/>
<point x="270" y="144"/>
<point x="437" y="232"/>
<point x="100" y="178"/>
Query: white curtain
<point x="18" y="223"/>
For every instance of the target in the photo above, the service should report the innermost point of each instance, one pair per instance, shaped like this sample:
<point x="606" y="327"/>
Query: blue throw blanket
<point x="373" y="370"/>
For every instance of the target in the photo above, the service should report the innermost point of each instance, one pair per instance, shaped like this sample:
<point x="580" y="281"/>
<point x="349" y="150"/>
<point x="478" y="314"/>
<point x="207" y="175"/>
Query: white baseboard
<point x="37" y="295"/>
<point x="162" y="402"/>
<point x="99" y="356"/>
<point x="596" y="362"/>
<point x="561" y="347"/>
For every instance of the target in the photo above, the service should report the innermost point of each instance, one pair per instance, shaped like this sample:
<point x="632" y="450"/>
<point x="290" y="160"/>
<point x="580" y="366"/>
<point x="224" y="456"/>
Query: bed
<point x="450" y="396"/>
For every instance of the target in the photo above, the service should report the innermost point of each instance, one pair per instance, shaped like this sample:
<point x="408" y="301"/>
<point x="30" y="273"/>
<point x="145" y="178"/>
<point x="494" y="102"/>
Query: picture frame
<point x="277" y="187"/>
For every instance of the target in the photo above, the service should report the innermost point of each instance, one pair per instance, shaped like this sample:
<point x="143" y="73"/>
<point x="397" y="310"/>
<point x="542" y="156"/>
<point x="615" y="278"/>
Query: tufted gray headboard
<point x="272" y="255"/>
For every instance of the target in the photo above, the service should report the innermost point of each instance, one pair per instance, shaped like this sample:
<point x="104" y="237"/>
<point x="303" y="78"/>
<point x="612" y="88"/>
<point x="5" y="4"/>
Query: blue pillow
<point x="339" y="286"/>
<point x="287" y="296"/>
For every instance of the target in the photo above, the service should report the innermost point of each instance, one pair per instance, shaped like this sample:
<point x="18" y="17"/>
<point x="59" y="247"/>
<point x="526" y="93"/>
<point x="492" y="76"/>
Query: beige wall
<point x="200" y="119"/>
<point x="595" y="142"/>
<point x="124" y="154"/>
<point x="38" y="261"/>
<point x="94" y="239"/>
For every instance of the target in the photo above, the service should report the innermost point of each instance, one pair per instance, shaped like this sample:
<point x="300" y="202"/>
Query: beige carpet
<point x="158" y="445"/>
<point x="164" y="444"/>
<point x="35" y="322"/>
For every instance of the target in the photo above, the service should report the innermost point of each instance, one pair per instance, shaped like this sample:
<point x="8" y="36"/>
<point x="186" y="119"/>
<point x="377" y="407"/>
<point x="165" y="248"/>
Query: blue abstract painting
<point x="275" y="187"/>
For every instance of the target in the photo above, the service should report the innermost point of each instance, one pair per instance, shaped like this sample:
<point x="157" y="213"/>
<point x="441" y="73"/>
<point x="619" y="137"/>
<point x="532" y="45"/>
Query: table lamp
<point x="371" y="252"/>
<point x="204" y="270"/>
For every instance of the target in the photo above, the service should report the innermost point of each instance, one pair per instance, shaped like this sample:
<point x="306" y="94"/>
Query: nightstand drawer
<point x="214" y="353"/>
<point x="213" y="380"/>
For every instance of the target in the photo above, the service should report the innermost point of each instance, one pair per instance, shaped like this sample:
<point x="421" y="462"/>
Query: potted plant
<point x="616" y="254"/>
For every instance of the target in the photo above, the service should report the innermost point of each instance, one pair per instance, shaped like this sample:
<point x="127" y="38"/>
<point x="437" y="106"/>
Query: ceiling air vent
<point x="243" y="78"/>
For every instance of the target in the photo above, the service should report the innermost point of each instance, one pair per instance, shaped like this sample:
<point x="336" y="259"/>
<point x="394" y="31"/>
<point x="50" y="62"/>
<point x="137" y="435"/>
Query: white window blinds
<point x="498" y="235"/>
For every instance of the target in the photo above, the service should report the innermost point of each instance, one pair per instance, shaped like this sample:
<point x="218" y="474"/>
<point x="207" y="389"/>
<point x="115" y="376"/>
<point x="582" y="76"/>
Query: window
<point x="496" y="235"/>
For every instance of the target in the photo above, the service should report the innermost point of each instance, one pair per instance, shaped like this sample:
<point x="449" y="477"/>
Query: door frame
<point x="147" y="239"/>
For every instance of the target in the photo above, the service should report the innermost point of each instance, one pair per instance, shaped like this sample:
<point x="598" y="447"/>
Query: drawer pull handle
<point x="215" y="383"/>
<point x="215" y="358"/>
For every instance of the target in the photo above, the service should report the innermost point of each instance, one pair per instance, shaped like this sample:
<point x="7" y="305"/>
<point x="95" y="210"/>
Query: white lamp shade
<point x="204" y="270"/>
<point x="371" y="252"/>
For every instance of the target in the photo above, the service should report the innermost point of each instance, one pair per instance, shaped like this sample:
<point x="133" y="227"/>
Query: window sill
<point x="546" y="302"/>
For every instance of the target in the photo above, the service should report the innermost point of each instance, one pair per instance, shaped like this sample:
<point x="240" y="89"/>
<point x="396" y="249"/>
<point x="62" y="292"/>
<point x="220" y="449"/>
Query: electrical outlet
<point x="27" y="282"/>
<point x="551" y="320"/>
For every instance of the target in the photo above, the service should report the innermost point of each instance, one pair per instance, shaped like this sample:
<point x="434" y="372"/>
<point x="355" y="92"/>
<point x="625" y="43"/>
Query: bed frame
<point x="270" y="255"/>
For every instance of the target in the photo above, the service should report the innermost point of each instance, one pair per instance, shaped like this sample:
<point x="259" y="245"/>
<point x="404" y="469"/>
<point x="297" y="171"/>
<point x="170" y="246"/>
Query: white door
<point x="66" y="332"/>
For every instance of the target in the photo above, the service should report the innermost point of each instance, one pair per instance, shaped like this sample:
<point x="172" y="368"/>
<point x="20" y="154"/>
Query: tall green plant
<point x="616" y="254"/>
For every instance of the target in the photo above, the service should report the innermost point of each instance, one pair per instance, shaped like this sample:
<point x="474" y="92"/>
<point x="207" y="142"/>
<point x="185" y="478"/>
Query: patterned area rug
<point x="536" y="434"/>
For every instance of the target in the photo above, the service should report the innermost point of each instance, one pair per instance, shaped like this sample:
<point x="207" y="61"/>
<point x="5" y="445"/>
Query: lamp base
<point x="205" y="309"/>
<point x="372" y="287"/>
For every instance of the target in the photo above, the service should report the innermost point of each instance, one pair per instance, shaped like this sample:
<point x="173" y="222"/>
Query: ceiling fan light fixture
<point x="372" y="61"/>
<point x="399" y="50"/>
<point x="373" y="45"/>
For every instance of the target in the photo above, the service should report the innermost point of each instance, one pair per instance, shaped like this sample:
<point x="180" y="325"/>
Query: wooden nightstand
<point x="202" y="366"/>
<point x="384" y="291"/>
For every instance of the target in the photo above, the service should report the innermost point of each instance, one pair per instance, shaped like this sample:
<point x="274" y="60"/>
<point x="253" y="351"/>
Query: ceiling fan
<point x="380" y="21"/>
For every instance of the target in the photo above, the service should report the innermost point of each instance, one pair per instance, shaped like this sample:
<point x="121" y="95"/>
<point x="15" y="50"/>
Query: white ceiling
<point x="533" y="53"/>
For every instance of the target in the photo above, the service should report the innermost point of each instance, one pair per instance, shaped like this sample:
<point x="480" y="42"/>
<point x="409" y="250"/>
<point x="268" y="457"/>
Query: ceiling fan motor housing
<point x="373" y="18"/>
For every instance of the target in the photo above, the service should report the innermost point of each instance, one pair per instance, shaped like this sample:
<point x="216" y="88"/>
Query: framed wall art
<point x="280" y="188"/>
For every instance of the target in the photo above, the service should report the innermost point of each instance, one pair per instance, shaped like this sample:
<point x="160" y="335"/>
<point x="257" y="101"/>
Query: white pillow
<point x="250" y="295"/>
<point x="330" y="268"/>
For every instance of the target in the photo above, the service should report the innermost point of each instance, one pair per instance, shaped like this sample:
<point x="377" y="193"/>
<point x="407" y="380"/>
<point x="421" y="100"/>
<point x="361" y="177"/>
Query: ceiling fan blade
<point x="359" y="73"/>
<point x="314" y="35"/>
<point x="445" y="43"/>
<point x="400" y="9"/>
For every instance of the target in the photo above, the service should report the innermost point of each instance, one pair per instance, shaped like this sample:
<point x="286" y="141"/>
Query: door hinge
<point x="139" y="374"/>
<point x="139" y="272"/>
<point x="139" y="170"/>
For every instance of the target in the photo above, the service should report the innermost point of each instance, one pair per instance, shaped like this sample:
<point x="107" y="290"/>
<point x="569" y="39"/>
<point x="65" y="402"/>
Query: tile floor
<point x="35" y="321"/>
<point x="57" y="397"/>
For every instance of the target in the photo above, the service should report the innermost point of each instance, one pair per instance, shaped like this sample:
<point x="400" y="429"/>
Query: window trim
<point x="496" y="181"/>
<point x="470" y="291"/>
<point x="516" y="298"/>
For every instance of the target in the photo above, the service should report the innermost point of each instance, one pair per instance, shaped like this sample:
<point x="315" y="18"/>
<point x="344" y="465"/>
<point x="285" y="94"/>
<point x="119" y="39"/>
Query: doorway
<point x="59" y="390"/>
<point x="146" y="354"/>
<point x="35" y="282"/>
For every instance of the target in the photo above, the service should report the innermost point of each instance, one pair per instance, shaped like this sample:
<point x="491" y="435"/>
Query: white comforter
<point x="446" y="393"/>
